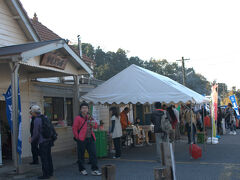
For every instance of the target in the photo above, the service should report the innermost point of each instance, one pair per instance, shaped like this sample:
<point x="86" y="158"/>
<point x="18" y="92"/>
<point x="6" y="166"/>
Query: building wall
<point x="32" y="93"/>
<point x="10" y="32"/>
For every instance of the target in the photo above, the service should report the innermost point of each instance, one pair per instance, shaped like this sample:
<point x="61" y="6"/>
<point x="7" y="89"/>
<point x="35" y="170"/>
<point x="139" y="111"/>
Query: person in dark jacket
<point x="162" y="127"/>
<point x="44" y="144"/>
<point x="34" y="145"/>
<point x="219" y="121"/>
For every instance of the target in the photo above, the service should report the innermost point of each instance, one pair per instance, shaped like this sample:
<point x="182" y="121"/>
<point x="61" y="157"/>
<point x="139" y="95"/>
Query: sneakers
<point x="84" y="172"/>
<point x="231" y="132"/>
<point x="115" y="157"/>
<point x="96" y="173"/>
<point x="234" y="133"/>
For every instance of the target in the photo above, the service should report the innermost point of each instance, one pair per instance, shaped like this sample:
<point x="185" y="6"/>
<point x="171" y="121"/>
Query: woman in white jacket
<point x="116" y="131"/>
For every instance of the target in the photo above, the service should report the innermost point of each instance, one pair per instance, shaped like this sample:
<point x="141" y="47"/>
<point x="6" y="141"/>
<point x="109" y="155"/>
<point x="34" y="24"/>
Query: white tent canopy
<point x="138" y="85"/>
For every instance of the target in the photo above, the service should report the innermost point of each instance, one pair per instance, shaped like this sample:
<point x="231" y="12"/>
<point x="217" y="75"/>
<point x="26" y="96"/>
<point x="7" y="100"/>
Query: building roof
<point x="46" y="34"/>
<point x="20" y="48"/>
<point x="43" y="32"/>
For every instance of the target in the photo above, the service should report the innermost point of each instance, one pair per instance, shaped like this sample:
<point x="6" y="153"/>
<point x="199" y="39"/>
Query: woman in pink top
<point x="83" y="126"/>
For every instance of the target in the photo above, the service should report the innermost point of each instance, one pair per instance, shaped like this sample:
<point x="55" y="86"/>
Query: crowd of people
<point x="169" y="124"/>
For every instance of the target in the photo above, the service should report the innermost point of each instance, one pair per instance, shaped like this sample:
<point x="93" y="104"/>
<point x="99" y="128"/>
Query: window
<point x="60" y="112"/>
<point x="54" y="108"/>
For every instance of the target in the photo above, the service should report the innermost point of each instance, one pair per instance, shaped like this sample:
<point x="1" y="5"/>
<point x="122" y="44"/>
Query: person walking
<point x="45" y="144"/>
<point x="116" y="131"/>
<point x="34" y="145"/>
<point x="83" y="126"/>
<point x="162" y="127"/>
<point x="232" y="119"/>
<point x="190" y="118"/>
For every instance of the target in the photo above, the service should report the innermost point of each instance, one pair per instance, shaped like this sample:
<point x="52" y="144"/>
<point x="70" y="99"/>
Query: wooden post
<point x="167" y="161"/>
<point x="108" y="172"/>
<point x="160" y="173"/>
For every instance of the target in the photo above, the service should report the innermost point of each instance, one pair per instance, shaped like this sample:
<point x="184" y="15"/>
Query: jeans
<point x="46" y="158"/>
<point x="35" y="152"/>
<point x="188" y="126"/>
<point x="117" y="146"/>
<point x="88" y="144"/>
<point x="233" y="126"/>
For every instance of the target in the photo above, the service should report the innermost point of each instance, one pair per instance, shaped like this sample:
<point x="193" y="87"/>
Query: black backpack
<point x="48" y="131"/>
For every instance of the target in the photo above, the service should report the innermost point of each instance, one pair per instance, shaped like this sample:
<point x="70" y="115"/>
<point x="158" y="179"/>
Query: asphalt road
<point x="220" y="162"/>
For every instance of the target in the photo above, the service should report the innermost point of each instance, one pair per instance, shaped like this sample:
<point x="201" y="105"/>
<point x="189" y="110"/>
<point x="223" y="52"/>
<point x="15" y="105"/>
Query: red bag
<point x="237" y="123"/>
<point x="195" y="151"/>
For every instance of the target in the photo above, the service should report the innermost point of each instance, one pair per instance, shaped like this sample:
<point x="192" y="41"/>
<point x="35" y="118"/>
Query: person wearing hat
<point x="43" y="143"/>
<point x="83" y="126"/>
<point x="34" y="145"/>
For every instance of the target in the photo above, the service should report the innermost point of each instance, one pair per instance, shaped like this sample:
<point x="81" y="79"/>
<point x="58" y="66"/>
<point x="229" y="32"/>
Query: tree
<point x="88" y="50"/>
<point x="110" y="63"/>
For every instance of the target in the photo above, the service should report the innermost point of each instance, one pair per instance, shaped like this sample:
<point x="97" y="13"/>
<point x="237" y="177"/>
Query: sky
<point x="206" y="31"/>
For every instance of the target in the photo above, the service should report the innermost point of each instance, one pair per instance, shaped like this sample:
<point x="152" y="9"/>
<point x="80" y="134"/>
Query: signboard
<point x="234" y="103"/>
<point x="53" y="60"/>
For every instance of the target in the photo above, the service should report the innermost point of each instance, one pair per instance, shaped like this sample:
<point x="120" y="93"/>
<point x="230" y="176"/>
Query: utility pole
<point x="183" y="69"/>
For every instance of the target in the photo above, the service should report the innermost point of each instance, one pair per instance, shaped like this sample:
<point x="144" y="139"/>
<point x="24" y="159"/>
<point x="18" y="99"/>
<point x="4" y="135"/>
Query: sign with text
<point x="234" y="103"/>
<point x="53" y="60"/>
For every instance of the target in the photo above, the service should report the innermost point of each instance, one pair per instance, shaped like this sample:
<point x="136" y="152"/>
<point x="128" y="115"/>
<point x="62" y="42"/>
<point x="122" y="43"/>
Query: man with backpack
<point x="83" y="133"/>
<point x="162" y="127"/>
<point x="44" y="135"/>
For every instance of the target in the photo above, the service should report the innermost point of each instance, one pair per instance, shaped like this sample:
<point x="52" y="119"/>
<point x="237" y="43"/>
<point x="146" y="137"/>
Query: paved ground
<point x="220" y="162"/>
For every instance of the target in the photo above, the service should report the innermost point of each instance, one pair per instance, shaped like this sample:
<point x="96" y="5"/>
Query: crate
<point x="101" y="143"/>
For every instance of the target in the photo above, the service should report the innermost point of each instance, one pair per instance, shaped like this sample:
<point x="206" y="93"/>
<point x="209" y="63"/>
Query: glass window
<point x="54" y="108"/>
<point x="48" y="107"/>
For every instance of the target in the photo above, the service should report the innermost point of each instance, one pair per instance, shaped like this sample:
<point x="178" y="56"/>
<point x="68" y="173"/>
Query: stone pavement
<point x="220" y="162"/>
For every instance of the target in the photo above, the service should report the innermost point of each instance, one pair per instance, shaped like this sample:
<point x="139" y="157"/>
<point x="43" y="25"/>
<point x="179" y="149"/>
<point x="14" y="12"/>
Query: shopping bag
<point x="195" y="151"/>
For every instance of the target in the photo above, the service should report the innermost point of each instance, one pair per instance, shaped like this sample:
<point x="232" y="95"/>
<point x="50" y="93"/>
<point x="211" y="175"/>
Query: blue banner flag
<point x="234" y="103"/>
<point x="8" y="99"/>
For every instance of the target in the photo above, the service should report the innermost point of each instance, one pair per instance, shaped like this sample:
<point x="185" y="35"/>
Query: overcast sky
<point x="206" y="31"/>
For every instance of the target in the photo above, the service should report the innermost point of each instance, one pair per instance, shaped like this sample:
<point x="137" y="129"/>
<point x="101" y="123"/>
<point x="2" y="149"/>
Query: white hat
<point x="35" y="108"/>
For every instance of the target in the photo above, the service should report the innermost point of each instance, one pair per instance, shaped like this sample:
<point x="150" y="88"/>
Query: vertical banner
<point x="19" y="143"/>
<point x="234" y="103"/>
<point x="214" y="107"/>
<point x="8" y="99"/>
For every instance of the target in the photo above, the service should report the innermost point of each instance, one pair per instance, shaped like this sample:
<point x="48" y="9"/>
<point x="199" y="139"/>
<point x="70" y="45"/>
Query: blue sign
<point x="8" y="98"/>
<point x="234" y="103"/>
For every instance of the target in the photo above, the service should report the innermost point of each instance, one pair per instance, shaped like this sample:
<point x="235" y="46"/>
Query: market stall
<point x="136" y="85"/>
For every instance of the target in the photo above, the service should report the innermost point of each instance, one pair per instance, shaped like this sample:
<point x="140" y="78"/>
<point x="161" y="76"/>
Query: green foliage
<point x="110" y="63"/>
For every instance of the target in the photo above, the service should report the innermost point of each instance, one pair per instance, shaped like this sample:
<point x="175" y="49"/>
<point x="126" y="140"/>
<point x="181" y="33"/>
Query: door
<point x="5" y="132"/>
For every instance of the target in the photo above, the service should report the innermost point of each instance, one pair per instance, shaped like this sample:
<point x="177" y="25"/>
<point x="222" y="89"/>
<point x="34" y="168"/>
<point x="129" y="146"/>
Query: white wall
<point x="10" y="32"/>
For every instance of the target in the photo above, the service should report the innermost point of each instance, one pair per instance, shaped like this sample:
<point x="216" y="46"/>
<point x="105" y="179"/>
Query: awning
<point x="24" y="52"/>
<point x="139" y="85"/>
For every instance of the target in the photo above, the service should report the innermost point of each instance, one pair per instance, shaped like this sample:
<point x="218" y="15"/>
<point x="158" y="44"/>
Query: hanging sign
<point x="53" y="60"/>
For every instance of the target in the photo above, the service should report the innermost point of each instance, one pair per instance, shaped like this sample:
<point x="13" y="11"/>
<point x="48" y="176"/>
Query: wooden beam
<point x="42" y="50"/>
<point x="77" y="58"/>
